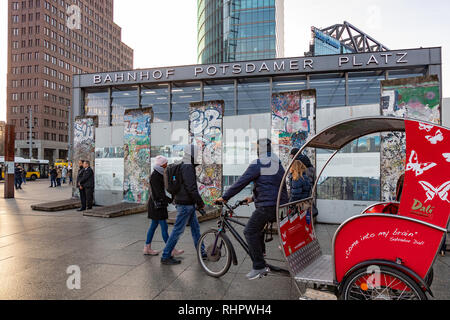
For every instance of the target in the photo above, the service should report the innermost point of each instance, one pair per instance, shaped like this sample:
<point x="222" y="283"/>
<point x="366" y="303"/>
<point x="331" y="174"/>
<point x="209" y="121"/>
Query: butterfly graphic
<point x="418" y="168"/>
<point x="447" y="156"/>
<point x="438" y="137"/>
<point x="284" y="235"/>
<point x="442" y="191"/>
<point x="426" y="127"/>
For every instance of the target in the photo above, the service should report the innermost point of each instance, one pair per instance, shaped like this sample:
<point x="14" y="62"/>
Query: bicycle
<point x="214" y="245"/>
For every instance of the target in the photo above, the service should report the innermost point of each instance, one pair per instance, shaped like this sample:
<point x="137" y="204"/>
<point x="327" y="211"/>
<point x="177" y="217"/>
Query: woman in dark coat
<point x="157" y="207"/>
<point x="300" y="184"/>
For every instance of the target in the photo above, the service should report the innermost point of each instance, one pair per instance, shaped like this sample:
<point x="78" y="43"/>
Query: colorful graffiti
<point x="414" y="98"/>
<point x="137" y="155"/>
<point x="83" y="145"/>
<point x="205" y="128"/>
<point x="293" y="122"/>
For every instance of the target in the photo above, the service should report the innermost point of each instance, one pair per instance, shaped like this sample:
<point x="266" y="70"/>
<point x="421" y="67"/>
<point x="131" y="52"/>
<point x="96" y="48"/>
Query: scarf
<point x="159" y="169"/>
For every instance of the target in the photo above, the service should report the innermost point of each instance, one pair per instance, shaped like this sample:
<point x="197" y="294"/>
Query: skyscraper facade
<point x="48" y="42"/>
<point x="240" y="30"/>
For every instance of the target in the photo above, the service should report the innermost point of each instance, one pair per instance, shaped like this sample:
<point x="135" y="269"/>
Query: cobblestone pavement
<point x="37" y="248"/>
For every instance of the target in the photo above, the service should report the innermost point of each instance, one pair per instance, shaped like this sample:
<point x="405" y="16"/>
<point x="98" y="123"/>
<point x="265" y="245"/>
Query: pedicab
<point x="387" y="252"/>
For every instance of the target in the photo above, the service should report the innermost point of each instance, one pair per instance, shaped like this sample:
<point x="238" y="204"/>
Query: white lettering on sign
<point x="280" y="66"/>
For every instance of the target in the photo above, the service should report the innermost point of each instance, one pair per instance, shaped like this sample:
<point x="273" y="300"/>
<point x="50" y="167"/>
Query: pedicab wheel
<point x="390" y="285"/>
<point x="215" y="263"/>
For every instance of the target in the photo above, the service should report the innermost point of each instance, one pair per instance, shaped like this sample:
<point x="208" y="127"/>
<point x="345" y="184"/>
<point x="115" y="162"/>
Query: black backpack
<point x="173" y="178"/>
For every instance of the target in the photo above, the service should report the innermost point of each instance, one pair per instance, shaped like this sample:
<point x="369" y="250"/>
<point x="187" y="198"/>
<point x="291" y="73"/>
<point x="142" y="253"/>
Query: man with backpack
<point x="182" y="184"/>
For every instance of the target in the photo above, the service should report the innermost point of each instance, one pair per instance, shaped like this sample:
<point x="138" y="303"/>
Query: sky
<point x="164" y="32"/>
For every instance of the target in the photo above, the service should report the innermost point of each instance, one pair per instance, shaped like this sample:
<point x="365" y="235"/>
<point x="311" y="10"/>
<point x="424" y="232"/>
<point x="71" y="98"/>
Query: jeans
<point x="185" y="214"/>
<point x="154" y="226"/>
<point x="253" y="234"/>
<point x="52" y="182"/>
<point x="18" y="183"/>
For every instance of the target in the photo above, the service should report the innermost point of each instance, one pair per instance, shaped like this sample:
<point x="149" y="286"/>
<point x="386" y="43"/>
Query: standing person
<point x="53" y="175"/>
<point x="157" y="207"/>
<point x="70" y="175"/>
<point x="58" y="176"/>
<point x="64" y="174"/>
<point x="81" y="190"/>
<point x="186" y="200"/>
<point x="266" y="173"/>
<point x="18" y="177"/>
<point x="87" y="183"/>
<point x="24" y="175"/>
<point x="299" y="182"/>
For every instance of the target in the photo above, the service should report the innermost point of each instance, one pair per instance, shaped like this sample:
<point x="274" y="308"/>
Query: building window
<point x="123" y="98"/>
<point x="221" y="90"/>
<point x="182" y="96"/>
<point x="157" y="97"/>
<point x="97" y="104"/>
<point x="254" y="96"/>
<point x="364" y="88"/>
<point x="330" y="89"/>
<point x="285" y="84"/>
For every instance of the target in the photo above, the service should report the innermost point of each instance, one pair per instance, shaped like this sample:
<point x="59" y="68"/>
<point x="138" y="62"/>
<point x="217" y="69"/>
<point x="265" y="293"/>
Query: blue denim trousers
<point x="185" y="214"/>
<point x="154" y="226"/>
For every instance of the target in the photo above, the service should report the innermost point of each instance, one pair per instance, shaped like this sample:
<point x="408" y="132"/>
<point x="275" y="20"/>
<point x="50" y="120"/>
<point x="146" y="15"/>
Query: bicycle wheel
<point x="216" y="262"/>
<point x="392" y="285"/>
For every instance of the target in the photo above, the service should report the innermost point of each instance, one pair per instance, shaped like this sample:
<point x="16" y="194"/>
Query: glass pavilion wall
<point x="248" y="106"/>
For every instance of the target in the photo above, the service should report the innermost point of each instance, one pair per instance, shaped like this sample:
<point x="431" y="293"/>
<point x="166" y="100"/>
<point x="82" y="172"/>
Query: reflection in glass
<point x="364" y="88"/>
<point x="285" y="84"/>
<point x="157" y="97"/>
<point x="330" y="89"/>
<point x="182" y="96"/>
<point x="254" y="96"/>
<point x="354" y="174"/>
<point x="123" y="98"/>
<point x="220" y="90"/>
<point x="97" y="104"/>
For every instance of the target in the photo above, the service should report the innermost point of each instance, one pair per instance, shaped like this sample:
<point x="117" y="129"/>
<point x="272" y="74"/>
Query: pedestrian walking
<point x="70" y="175"/>
<point x="18" y="177"/>
<point x="157" y="207"/>
<point x="266" y="173"/>
<point x="186" y="200"/>
<point x="58" y="176"/>
<point x="81" y="190"/>
<point x="87" y="183"/>
<point x="64" y="174"/>
<point x="53" y="175"/>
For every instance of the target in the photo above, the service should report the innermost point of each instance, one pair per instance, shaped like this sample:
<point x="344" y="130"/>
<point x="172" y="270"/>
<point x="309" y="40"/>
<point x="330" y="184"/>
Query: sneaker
<point x="177" y="253"/>
<point x="170" y="261"/>
<point x="257" y="274"/>
<point x="148" y="251"/>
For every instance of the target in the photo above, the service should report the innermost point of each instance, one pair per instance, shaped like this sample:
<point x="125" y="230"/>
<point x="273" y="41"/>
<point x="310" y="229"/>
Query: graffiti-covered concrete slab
<point x="83" y="145"/>
<point x="206" y="131"/>
<point x="137" y="162"/>
<point x="414" y="98"/>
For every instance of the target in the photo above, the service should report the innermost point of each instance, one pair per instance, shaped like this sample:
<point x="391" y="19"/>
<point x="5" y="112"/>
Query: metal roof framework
<point x="354" y="38"/>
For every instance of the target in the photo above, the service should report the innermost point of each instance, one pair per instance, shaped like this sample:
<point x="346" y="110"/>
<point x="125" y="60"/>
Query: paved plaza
<point x="37" y="248"/>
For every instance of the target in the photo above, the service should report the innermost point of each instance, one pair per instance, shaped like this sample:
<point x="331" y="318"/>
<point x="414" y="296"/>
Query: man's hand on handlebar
<point x="220" y="201"/>
<point x="249" y="200"/>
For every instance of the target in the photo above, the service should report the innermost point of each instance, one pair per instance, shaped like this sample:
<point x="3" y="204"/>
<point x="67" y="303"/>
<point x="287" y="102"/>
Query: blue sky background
<point x="164" y="33"/>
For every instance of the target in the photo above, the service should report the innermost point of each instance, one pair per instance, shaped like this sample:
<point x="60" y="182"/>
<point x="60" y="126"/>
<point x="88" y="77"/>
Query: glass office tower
<point x="240" y="30"/>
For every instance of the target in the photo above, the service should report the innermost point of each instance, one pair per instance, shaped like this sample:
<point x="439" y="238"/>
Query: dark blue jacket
<point x="266" y="174"/>
<point x="300" y="189"/>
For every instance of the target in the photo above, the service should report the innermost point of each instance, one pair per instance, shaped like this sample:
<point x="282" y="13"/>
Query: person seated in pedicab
<point x="267" y="174"/>
<point x="299" y="182"/>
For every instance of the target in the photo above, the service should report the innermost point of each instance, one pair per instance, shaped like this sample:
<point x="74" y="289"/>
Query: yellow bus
<point x="36" y="169"/>
<point x="61" y="163"/>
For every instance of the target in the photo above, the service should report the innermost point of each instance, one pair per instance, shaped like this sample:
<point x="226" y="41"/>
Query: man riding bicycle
<point x="266" y="173"/>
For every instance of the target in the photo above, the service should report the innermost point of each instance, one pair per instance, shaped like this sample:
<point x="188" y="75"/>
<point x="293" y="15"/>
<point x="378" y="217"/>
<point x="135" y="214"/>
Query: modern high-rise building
<point x="48" y="42"/>
<point x="240" y="30"/>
